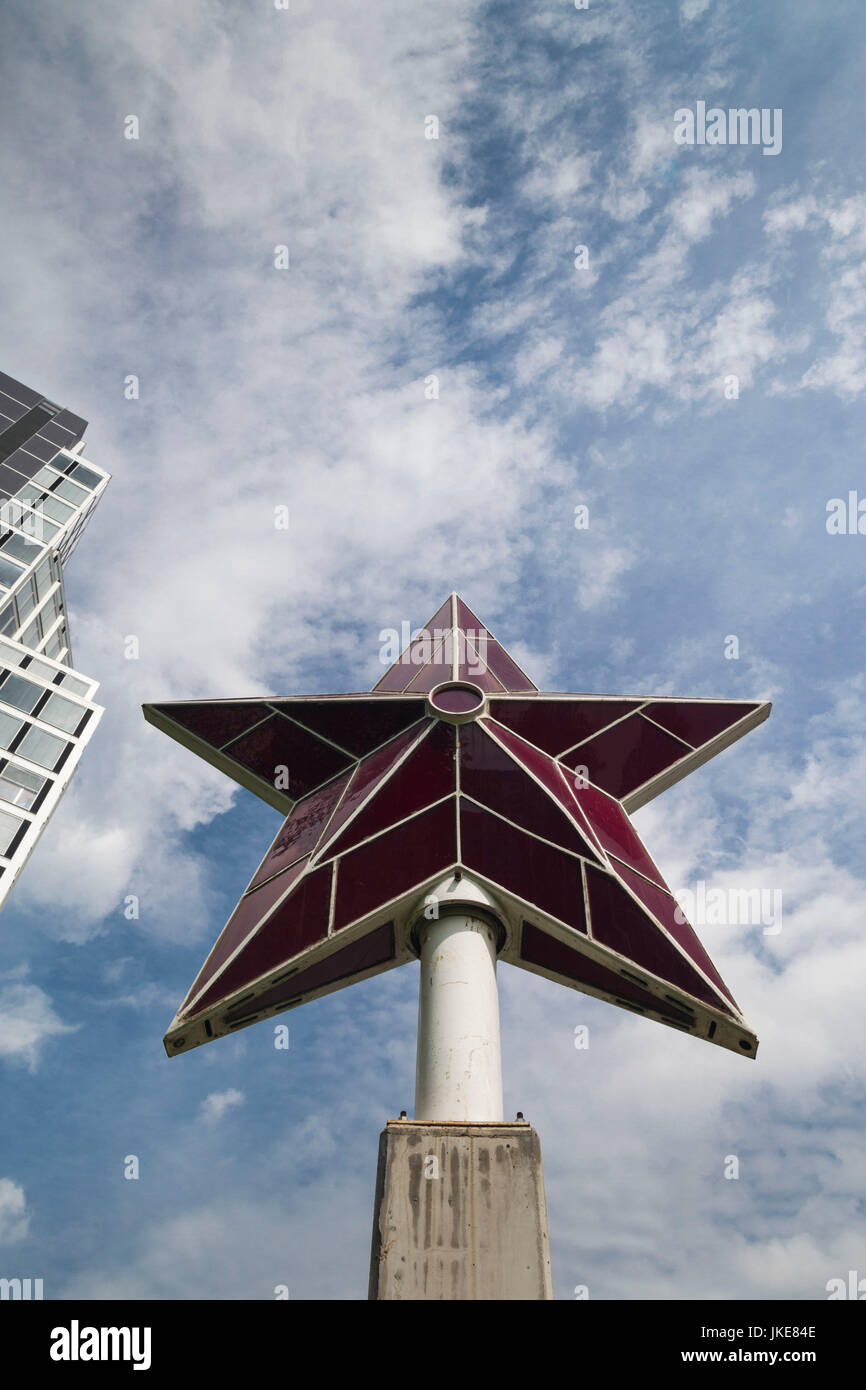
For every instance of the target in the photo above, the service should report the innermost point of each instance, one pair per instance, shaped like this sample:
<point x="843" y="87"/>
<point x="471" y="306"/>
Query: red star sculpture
<point x="456" y="765"/>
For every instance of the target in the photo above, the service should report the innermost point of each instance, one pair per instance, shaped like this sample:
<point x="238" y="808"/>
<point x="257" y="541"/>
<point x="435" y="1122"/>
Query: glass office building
<point x="47" y="712"/>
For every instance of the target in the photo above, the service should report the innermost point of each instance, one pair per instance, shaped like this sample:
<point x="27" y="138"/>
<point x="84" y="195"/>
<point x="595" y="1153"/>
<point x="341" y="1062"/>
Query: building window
<point x="9" y="827"/>
<point x="43" y="577"/>
<point x="10" y="656"/>
<point x="76" y="495"/>
<point x="29" y="494"/>
<point x="86" y="476"/>
<point x="25" y="600"/>
<point x="9" y="573"/>
<point x="22" y="547"/>
<point x="37" y="525"/>
<point x="78" y="687"/>
<point x="28" y="517"/>
<point x="41" y="748"/>
<point x="60" y="511"/>
<point x="21" y="693"/>
<point x="63" y="714"/>
<point x="46" y="477"/>
<point x="19" y="786"/>
<point x="39" y="669"/>
<point x="9" y="727"/>
<point x="33" y="636"/>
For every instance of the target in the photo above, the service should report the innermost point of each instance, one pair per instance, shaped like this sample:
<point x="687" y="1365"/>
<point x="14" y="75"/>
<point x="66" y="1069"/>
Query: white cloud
<point x="693" y="9"/>
<point x="271" y="1244"/>
<point x="218" y="1103"/>
<point x="27" y="1022"/>
<point x="666" y="330"/>
<point x="14" y="1215"/>
<point x="652" y="140"/>
<point x="841" y="261"/>
<point x="259" y="388"/>
<point x="556" y="174"/>
<point x="600" y="571"/>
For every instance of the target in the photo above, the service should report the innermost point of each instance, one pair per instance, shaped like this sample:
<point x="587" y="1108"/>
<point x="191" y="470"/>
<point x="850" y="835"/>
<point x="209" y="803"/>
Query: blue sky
<point x="558" y="386"/>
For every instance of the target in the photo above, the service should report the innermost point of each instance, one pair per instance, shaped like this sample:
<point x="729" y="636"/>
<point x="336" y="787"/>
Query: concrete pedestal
<point x="460" y="1213"/>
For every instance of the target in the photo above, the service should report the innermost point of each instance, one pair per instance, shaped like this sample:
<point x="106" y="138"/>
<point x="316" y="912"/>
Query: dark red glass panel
<point x="216" y="721"/>
<point x="615" y="831"/>
<point x="530" y="869"/>
<point x="398" y="675"/>
<point x="696" y="721"/>
<point x="441" y="618"/>
<point x="301" y="830"/>
<point x="556" y="725"/>
<point x="624" y="757"/>
<point x="483" y="678"/>
<point x="551" y="776"/>
<point x="472" y="664"/>
<point x="493" y="777"/>
<point x="619" y="922"/>
<point x="414" y="659"/>
<point x="298" y="923"/>
<point x="246" y="918"/>
<point x="278" y="743"/>
<point x="356" y="725"/>
<point x="502" y="666"/>
<point x="436" y="670"/>
<point x="427" y="775"/>
<point x="664" y="907"/>
<point x="544" y="950"/>
<point x="369" y="877"/>
<point x="468" y="621"/>
<point x="375" y="948"/>
<point x="474" y="641"/>
<point x="371" y="771"/>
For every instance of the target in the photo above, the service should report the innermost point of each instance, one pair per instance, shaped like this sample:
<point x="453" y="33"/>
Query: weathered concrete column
<point x="460" y="1213"/>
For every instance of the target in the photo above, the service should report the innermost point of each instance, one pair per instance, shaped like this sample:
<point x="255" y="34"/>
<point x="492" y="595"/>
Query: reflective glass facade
<point x="47" y="710"/>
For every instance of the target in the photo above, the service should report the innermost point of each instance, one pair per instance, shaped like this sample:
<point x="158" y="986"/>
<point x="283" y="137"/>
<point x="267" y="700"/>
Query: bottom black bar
<point x="195" y="1339"/>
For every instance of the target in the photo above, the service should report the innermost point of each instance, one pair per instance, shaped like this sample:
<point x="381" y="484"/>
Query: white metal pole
<point x="459" y="1067"/>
